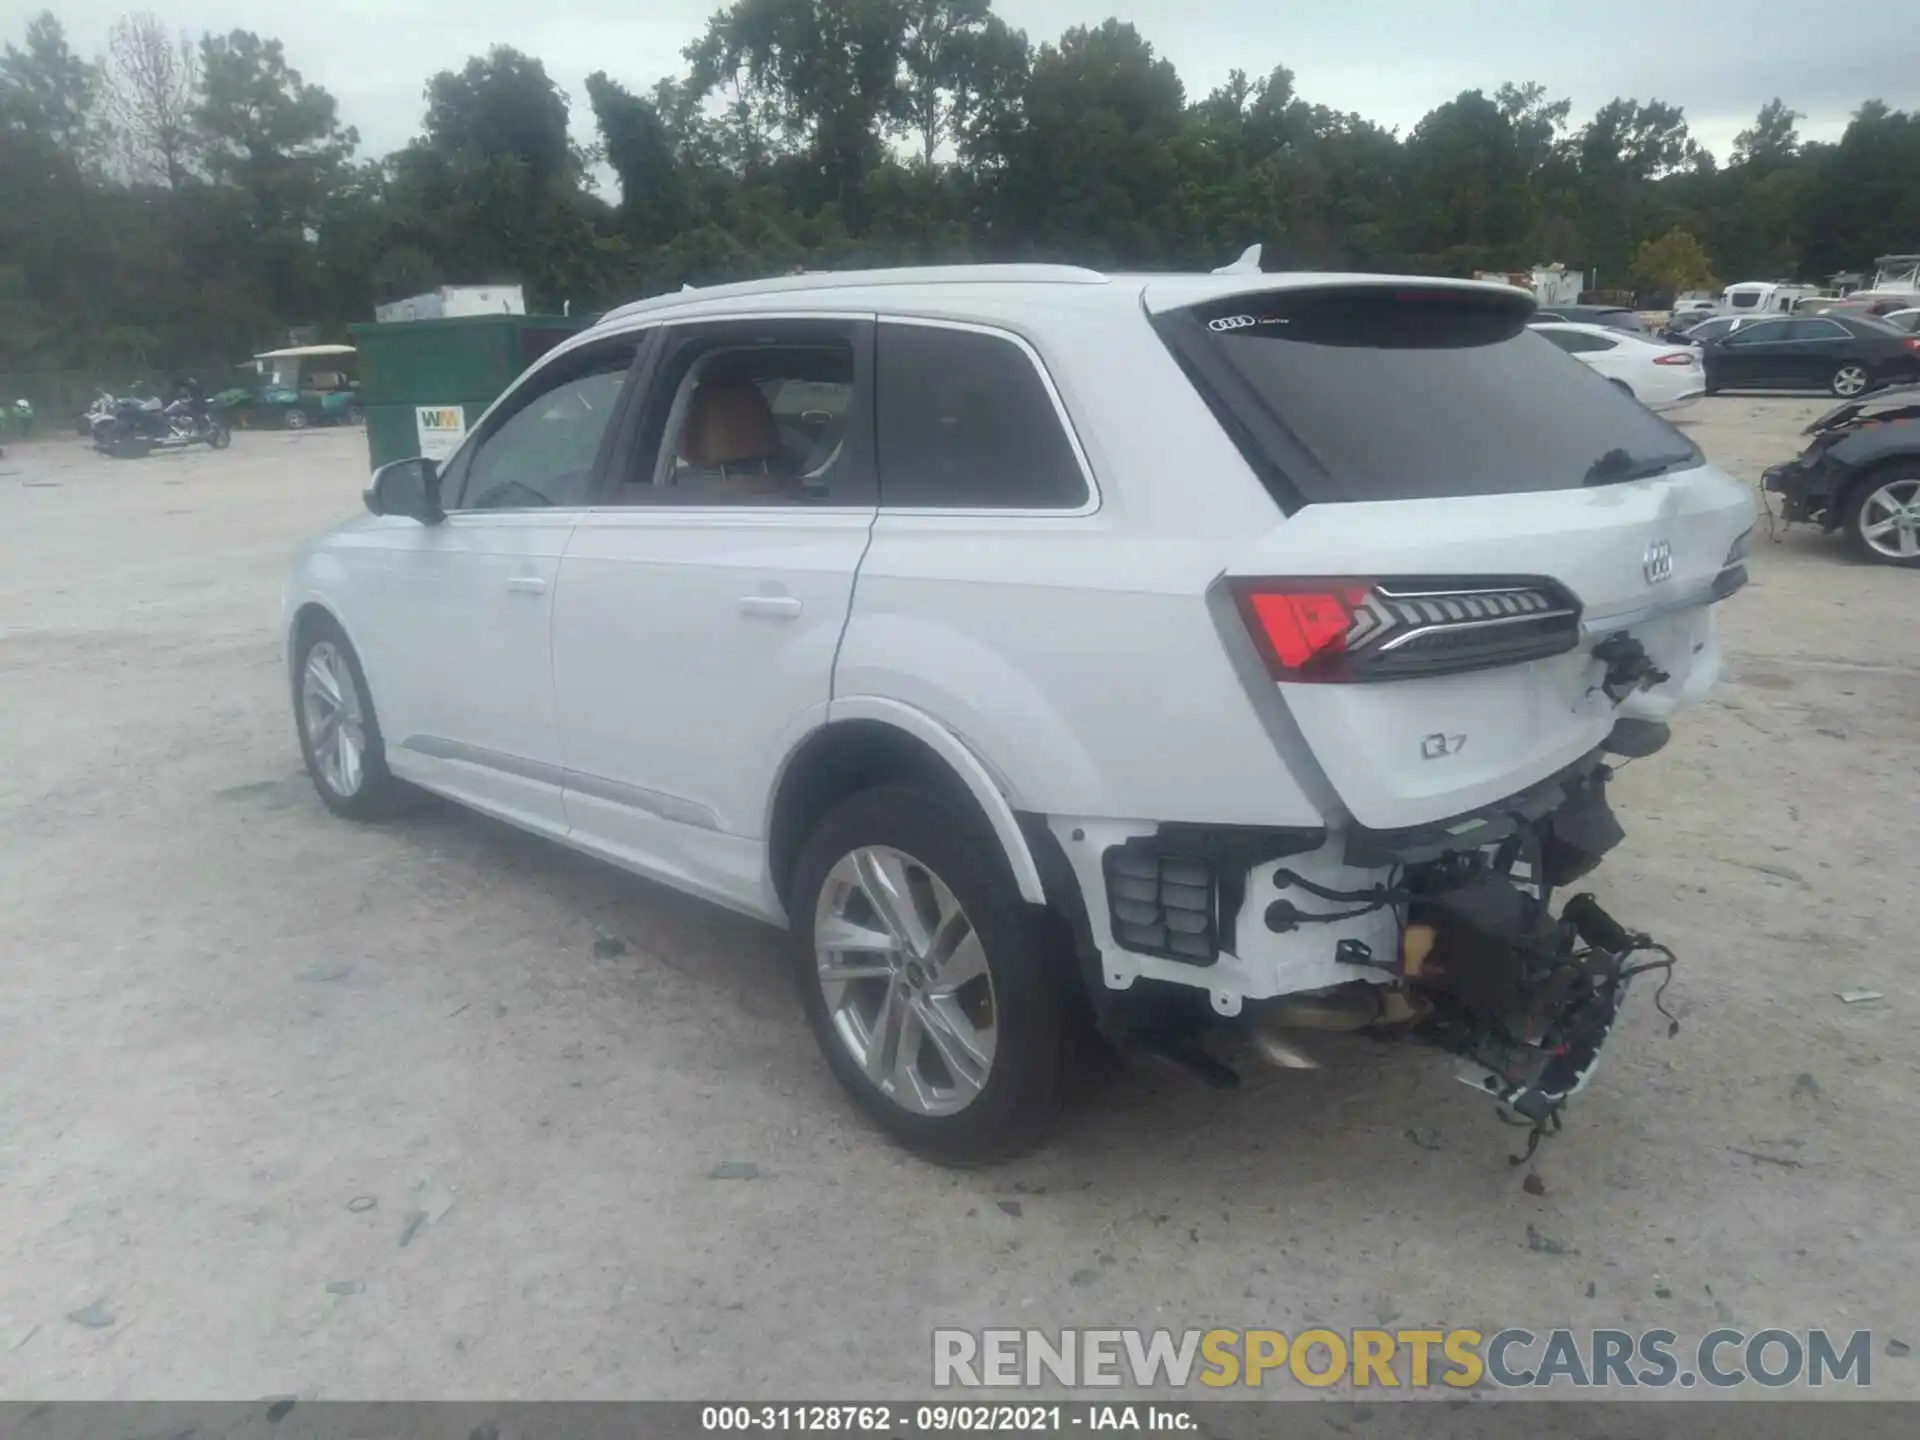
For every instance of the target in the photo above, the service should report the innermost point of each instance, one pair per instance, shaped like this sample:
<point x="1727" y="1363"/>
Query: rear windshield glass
<point x="1384" y="394"/>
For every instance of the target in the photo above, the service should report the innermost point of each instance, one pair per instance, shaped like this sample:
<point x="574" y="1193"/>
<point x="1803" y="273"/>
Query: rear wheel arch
<point x="1843" y="513"/>
<point x="1874" y="473"/>
<point x="846" y="756"/>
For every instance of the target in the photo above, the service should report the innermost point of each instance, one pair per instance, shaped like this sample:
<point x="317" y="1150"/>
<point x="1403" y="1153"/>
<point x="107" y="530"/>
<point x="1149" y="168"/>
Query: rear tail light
<point x="1677" y="357"/>
<point x="1361" y="630"/>
<point x="1913" y="345"/>
<point x="1733" y="570"/>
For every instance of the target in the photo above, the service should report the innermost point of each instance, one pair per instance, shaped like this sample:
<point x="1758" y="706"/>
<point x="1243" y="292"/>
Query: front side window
<point x="753" y="413"/>
<point x="1743" y="299"/>
<point x="1765" y="334"/>
<point x="543" y="453"/>
<point x="965" y="422"/>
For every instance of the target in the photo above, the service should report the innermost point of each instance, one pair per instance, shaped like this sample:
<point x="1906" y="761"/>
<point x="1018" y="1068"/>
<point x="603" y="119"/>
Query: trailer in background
<point x="1548" y="284"/>
<point x="450" y="302"/>
<point x="1765" y="297"/>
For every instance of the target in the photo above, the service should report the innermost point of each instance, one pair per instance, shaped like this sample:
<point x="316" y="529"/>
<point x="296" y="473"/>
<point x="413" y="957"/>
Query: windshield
<point x="1386" y="394"/>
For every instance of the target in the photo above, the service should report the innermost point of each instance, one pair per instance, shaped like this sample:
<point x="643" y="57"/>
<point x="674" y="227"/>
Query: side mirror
<point x="407" y="487"/>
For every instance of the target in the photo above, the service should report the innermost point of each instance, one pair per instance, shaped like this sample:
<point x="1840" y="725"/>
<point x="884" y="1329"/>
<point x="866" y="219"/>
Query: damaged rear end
<point x="1843" y="446"/>
<point x="1491" y="576"/>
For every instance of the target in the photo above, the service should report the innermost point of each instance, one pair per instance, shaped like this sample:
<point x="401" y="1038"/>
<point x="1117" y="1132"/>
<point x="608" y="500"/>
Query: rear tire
<point x="295" y="419"/>
<point x="1876" y="505"/>
<point x="1850" y="381"/>
<point x="962" y="967"/>
<point x="331" y="700"/>
<point x="218" y="437"/>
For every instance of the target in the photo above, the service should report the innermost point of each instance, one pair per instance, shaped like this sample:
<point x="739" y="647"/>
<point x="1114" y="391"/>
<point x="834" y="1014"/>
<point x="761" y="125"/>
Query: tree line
<point x="184" y="201"/>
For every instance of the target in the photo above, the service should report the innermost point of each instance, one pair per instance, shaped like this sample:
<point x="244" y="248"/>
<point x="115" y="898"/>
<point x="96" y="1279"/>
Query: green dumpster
<point x="423" y="382"/>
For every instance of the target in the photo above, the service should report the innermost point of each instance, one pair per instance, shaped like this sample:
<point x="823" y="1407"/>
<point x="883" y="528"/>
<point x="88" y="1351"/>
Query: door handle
<point x="778" y="607"/>
<point x="527" y="585"/>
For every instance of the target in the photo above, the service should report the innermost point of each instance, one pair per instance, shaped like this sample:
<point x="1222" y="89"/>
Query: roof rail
<point x="847" y="279"/>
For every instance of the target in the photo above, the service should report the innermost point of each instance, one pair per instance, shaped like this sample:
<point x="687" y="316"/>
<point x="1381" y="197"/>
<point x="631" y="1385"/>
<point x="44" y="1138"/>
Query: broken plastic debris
<point x="1858" y="997"/>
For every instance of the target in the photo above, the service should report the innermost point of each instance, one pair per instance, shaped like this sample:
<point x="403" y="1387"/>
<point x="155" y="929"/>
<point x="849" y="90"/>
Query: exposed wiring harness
<point x="1284" y="915"/>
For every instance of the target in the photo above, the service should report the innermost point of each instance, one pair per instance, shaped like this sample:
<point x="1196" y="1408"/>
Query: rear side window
<point x="1575" y="343"/>
<point x="1380" y="393"/>
<point x="966" y="423"/>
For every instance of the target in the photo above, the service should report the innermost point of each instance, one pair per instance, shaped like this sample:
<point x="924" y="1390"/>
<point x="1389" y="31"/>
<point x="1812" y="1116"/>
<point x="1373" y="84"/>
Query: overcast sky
<point x="1391" y="60"/>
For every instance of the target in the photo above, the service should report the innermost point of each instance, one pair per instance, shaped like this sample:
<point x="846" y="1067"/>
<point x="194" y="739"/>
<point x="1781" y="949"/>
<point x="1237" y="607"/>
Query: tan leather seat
<point x="729" y="423"/>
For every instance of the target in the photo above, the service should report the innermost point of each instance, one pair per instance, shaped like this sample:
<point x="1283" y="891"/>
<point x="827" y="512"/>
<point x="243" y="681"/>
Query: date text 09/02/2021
<point x="945" y="1419"/>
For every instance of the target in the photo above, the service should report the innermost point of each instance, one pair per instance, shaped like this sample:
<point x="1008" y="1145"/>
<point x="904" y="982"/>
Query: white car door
<point x="702" y="599"/>
<point x="466" y="695"/>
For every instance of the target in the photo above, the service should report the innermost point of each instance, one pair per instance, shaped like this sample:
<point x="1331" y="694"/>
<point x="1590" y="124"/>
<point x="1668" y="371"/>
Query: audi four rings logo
<point x="1657" y="565"/>
<point x="1232" y="322"/>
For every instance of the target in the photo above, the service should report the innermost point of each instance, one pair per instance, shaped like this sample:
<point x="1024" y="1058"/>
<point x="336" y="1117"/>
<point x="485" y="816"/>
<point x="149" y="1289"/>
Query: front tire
<point x="1849" y="381"/>
<point x="1882" y="518"/>
<point x="929" y="983"/>
<point x="218" y="437"/>
<point x="295" y="419"/>
<point x="340" y="739"/>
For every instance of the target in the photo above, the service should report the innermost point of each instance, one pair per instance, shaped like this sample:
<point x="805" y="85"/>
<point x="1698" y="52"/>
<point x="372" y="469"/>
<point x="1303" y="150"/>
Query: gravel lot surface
<point x="290" y="1106"/>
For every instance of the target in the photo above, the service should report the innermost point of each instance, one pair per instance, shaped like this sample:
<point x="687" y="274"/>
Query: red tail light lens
<point x="1913" y="345"/>
<point x="1301" y="625"/>
<point x="1343" y="630"/>
<point x="1682" y="357"/>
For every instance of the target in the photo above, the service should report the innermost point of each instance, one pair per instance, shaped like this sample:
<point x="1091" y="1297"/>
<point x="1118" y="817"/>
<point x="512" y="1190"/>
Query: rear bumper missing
<point x="1487" y="825"/>
<point x="1806" y="492"/>
<point x="1248" y="914"/>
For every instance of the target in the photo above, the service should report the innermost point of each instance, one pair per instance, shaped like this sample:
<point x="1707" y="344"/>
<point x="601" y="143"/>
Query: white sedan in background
<point x="1660" y="376"/>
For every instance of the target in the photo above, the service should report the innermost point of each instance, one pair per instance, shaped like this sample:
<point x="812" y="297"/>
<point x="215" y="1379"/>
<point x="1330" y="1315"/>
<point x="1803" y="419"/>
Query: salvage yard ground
<point x="290" y="1106"/>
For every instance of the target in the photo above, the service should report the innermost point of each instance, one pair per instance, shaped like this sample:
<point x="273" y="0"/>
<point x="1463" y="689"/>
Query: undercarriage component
<point x="1279" y="1051"/>
<point x="1637" y="739"/>
<point x="1526" y="1000"/>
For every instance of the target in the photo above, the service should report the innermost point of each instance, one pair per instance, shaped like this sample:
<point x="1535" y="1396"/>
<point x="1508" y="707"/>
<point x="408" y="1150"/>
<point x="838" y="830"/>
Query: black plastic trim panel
<point x="1229" y="853"/>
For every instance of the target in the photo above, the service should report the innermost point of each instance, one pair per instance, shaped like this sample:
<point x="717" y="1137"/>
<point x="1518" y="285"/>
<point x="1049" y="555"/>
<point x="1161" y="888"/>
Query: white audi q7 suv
<point x="1181" y="652"/>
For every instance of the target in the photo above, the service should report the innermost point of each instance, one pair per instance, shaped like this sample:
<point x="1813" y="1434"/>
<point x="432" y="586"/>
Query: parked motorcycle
<point x="128" y="428"/>
<point x="100" y="409"/>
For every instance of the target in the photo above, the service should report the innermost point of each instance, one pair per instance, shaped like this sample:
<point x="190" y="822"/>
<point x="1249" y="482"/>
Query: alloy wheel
<point x="1849" y="380"/>
<point x="905" y="980"/>
<point x="335" y="719"/>
<point x="1890" y="520"/>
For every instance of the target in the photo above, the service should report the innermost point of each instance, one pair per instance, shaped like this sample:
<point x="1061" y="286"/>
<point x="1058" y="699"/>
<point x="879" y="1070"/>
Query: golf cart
<point x="301" y="386"/>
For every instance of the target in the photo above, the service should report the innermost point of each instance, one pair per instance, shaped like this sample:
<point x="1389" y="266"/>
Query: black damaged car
<point x="1861" y="473"/>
